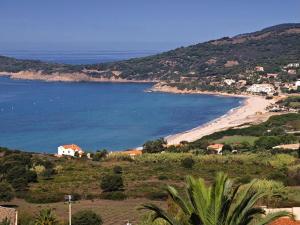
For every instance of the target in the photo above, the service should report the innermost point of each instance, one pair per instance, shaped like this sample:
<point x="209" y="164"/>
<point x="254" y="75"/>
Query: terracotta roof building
<point x="215" y="148"/>
<point x="69" y="150"/>
<point x="285" y="221"/>
<point x="9" y="213"/>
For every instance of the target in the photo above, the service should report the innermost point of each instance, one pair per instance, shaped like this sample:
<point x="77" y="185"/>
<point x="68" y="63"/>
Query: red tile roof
<point x="73" y="147"/>
<point x="285" y="221"/>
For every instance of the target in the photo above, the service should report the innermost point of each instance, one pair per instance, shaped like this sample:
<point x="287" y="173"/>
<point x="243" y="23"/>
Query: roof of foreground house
<point x="9" y="213"/>
<point x="73" y="147"/>
<point x="285" y="221"/>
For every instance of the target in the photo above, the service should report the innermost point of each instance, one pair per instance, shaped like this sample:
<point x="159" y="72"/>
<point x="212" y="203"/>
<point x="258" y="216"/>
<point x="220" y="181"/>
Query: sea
<point x="40" y="116"/>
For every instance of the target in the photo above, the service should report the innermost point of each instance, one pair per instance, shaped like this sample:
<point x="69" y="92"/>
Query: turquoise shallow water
<point x="40" y="116"/>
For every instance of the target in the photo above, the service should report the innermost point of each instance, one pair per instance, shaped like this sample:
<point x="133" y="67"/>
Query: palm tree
<point x="222" y="203"/>
<point x="46" y="217"/>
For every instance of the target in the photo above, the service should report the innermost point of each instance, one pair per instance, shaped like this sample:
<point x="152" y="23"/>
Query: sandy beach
<point x="253" y="110"/>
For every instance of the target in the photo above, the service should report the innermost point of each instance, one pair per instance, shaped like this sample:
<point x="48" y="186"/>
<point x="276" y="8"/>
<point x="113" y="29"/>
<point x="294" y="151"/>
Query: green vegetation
<point x="112" y="182"/>
<point x="5" y="222"/>
<point x="86" y="217"/>
<point x="236" y="139"/>
<point x="291" y="102"/>
<point x="46" y="217"/>
<point x="188" y="163"/>
<point x="225" y="56"/>
<point x="221" y="203"/>
<point x="6" y="192"/>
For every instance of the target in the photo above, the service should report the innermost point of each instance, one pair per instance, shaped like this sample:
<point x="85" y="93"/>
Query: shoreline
<point x="251" y="111"/>
<point x="66" y="77"/>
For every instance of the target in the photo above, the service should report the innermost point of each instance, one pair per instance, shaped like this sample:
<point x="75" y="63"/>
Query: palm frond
<point x="160" y="214"/>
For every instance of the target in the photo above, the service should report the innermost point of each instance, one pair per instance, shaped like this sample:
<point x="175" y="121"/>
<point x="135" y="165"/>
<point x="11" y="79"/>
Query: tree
<point x="86" y="217"/>
<point x="299" y="152"/>
<point x="226" y="149"/>
<point x="6" y="192"/>
<point x="118" y="170"/>
<point x="188" y="162"/>
<point x="112" y="182"/>
<point x="155" y="146"/>
<point x="219" y="204"/>
<point x="100" y="154"/>
<point x="46" y="217"/>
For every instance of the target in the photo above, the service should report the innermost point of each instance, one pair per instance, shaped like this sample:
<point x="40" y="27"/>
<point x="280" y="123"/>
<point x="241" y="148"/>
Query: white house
<point x="259" y="88"/>
<point x="292" y="71"/>
<point x="292" y="65"/>
<point x="259" y="68"/>
<point x="229" y="81"/>
<point x="215" y="148"/>
<point x="297" y="84"/>
<point x="69" y="150"/>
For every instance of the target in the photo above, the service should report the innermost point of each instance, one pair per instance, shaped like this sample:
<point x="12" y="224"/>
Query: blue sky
<point x="134" y="24"/>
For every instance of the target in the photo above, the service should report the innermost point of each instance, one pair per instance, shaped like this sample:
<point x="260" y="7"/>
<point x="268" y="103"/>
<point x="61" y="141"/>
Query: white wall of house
<point x="63" y="151"/>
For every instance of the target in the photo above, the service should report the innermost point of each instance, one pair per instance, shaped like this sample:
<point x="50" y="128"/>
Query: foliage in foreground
<point x="219" y="204"/>
<point x="46" y="217"/>
<point x="86" y="217"/>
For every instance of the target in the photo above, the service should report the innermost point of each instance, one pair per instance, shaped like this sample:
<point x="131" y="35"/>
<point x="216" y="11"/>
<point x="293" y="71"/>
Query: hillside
<point x="270" y="47"/>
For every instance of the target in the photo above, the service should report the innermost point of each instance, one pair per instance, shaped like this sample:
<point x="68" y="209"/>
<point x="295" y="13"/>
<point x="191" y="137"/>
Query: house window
<point x="69" y="152"/>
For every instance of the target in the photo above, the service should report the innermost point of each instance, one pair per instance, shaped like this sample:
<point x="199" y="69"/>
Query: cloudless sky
<point x="134" y="24"/>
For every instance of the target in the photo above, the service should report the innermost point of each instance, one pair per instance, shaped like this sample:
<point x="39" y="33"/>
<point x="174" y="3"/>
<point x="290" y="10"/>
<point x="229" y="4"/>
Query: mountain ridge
<point x="269" y="47"/>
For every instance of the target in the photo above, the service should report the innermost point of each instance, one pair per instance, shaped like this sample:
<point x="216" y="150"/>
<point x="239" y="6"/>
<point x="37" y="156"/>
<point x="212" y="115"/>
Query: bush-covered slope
<point x="270" y="47"/>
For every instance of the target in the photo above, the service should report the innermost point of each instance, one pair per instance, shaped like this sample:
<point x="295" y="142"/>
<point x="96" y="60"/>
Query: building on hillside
<point x="261" y="88"/>
<point x="229" y="81"/>
<point x="241" y="83"/>
<point x="69" y="150"/>
<point x="132" y="153"/>
<point x="10" y="213"/>
<point x="259" y="69"/>
<point x="288" y="146"/>
<point x="215" y="148"/>
<point x="292" y="71"/>
<point x="292" y="65"/>
<point x="272" y="75"/>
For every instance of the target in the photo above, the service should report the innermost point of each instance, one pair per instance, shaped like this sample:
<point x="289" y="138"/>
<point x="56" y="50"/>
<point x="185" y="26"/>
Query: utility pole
<point x="68" y="199"/>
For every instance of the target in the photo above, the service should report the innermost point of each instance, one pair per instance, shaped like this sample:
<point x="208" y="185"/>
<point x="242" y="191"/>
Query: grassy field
<point x="148" y="175"/>
<point x="112" y="212"/>
<point x="236" y="139"/>
<point x="146" y="178"/>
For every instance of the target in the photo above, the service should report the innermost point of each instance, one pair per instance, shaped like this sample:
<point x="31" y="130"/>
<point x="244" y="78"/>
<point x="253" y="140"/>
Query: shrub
<point x="100" y="154"/>
<point x="39" y="169"/>
<point x="6" y="192"/>
<point x="158" y="195"/>
<point x="162" y="177"/>
<point x="187" y="163"/>
<point x="112" y="182"/>
<point x="86" y="217"/>
<point x="31" y="176"/>
<point x="227" y="148"/>
<point x="155" y="146"/>
<point x="43" y="197"/>
<point x="118" y="170"/>
<point x="116" y="195"/>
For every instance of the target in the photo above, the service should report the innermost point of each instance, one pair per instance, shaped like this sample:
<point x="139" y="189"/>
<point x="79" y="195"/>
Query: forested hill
<point x="270" y="47"/>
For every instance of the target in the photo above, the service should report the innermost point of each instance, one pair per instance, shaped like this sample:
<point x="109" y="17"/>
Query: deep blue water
<point x="40" y="116"/>
<point x="76" y="57"/>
